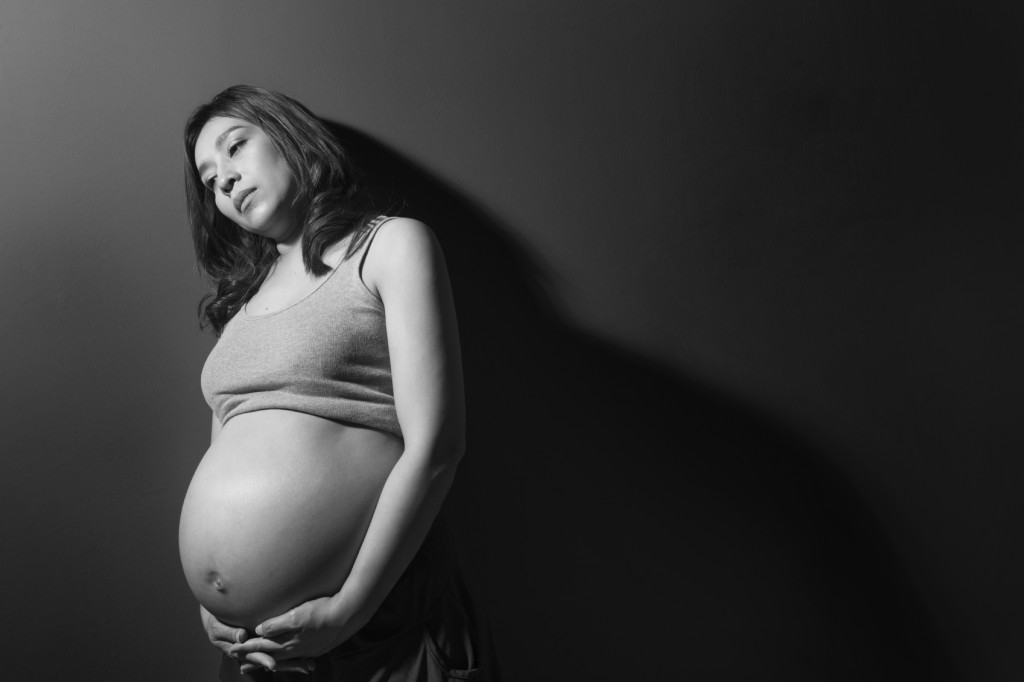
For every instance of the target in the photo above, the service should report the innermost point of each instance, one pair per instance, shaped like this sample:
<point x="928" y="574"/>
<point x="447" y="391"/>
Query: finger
<point x="261" y="659"/>
<point x="294" y="665"/>
<point x="279" y="625"/>
<point x="256" y="644"/>
<point x="222" y="644"/>
<point x="248" y="668"/>
<point x="225" y="647"/>
<point x="219" y="631"/>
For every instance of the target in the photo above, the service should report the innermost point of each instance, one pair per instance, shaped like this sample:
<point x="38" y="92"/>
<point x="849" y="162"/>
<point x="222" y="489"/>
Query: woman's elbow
<point x="440" y="450"/>
<point x="458" y="450"/>
<point x="451" y="437"/>
<point x="452" y="446"/>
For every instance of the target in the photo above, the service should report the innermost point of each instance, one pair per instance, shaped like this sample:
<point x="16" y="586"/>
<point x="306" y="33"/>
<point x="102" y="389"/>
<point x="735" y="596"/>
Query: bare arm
<point x="407" y="269"/>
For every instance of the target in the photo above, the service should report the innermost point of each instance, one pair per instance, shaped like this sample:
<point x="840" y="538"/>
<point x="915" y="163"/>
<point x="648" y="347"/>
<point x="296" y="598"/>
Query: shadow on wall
<point x="620" y="521"/>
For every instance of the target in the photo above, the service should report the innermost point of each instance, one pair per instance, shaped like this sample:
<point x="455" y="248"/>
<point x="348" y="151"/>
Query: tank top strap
<point x="364" y="248"/>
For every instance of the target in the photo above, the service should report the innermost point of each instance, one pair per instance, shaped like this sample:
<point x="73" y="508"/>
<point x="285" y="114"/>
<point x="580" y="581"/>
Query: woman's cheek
<point x="225" y="207"/>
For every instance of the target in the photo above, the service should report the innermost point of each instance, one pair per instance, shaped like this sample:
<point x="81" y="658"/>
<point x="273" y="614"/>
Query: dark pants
<point x="425" y="631"/>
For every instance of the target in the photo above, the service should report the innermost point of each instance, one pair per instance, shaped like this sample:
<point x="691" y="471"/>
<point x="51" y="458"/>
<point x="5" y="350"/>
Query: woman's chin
<point x="276" y="225"/>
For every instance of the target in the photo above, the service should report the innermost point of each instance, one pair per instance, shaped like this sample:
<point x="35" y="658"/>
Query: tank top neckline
<point x="244" y="314"/>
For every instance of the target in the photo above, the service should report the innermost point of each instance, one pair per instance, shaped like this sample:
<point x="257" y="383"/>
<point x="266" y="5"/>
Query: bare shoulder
<point x="403" y="237"/>
<point x="402" y="248"/>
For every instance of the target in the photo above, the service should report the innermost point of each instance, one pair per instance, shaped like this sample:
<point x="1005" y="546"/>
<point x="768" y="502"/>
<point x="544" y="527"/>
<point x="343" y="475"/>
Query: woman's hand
<point x="220" y="635"/>
<point x="291" y="641"/>
<point x="224" y="637"/>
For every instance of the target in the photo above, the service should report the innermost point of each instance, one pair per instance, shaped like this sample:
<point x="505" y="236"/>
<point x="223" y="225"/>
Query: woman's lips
<point x="241" y="197"/>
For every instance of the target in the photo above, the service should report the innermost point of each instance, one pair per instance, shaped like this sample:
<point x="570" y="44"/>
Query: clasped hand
<point x="288" y="642"/>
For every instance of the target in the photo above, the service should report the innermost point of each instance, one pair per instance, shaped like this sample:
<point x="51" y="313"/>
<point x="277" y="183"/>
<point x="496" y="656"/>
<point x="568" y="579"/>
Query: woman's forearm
<point x="408" y="504"/>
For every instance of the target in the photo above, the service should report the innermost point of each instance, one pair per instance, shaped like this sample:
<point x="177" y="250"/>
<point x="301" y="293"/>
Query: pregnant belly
<point x="277" y="510"/>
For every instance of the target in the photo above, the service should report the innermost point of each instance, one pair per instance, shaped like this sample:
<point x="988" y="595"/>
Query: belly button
<point x="214" y="579"/>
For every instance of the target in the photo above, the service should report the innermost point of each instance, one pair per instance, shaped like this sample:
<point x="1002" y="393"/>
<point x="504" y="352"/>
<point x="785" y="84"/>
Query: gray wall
<point x="780" y="241"/>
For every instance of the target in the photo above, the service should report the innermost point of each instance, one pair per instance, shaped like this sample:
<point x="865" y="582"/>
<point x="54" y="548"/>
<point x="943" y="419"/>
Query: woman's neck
<point x="291" y="243"/>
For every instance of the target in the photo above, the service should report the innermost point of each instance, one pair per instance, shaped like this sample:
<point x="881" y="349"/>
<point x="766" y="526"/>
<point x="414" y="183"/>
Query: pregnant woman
<point x="308" y="533"/>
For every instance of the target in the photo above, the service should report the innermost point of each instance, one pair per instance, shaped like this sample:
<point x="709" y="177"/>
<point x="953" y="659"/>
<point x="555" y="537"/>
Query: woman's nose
<point x="226" y="181"/>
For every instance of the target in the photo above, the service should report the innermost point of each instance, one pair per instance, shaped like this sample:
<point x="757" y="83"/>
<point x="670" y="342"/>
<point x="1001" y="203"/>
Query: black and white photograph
<point x="446" y="341"/>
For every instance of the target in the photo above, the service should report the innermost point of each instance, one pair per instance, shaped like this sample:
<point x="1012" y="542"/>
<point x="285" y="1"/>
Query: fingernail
<point x="259" y="630"/>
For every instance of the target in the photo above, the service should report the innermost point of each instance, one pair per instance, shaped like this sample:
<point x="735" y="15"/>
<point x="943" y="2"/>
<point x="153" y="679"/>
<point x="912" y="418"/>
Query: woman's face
<point x="249" y="178"/>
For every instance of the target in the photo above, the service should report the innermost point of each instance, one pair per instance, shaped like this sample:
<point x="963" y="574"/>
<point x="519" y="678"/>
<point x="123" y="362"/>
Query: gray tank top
<point x="325" y="355"/>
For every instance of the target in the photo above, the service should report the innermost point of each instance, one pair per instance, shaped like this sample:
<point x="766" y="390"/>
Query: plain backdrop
<point x="739" y="285"/>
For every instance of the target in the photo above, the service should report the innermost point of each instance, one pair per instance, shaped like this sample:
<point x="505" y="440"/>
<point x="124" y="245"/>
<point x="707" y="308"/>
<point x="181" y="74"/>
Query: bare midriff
<point x="277" y="510"/>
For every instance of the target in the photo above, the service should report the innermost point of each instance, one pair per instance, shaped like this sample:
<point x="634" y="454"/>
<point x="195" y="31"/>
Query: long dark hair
<point x="329" y="199"/>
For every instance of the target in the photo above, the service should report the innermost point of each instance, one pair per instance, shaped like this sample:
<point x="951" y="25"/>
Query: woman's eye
<point x="209" y="182"/>
<point x="233" y="149"/>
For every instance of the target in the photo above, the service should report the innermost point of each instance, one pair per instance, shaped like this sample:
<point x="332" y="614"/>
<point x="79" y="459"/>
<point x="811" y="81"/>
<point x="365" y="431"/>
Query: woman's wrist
<point x="343" y="612"/>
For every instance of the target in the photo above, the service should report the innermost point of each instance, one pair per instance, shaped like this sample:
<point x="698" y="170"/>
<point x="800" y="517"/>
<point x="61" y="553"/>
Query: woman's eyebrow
<point x="217" y="143"/>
